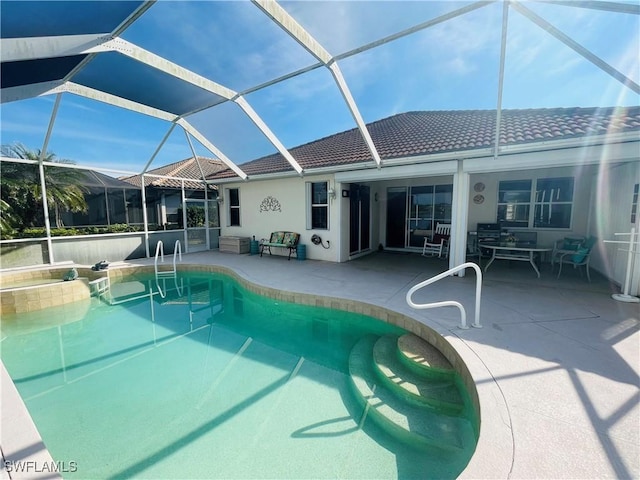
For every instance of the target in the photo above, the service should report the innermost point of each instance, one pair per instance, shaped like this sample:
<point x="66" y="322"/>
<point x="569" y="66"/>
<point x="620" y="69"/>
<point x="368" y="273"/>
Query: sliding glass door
<point x="396" y="217"/>
<point x="414" y="212"/>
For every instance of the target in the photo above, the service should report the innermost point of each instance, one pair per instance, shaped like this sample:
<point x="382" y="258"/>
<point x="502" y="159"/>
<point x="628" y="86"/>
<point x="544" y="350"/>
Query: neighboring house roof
<point x="184" y="169"/>
<point x="97" y="180"/>
<point x="435" y="132"/>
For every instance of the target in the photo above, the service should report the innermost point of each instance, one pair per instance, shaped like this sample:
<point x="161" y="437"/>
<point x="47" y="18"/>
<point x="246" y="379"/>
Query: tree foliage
<point x="21" y="190"/>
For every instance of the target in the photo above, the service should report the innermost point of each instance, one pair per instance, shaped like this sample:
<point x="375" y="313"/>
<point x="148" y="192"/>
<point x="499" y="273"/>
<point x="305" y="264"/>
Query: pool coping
<point x="20" y="441"/>
<point x="494" y="453"/>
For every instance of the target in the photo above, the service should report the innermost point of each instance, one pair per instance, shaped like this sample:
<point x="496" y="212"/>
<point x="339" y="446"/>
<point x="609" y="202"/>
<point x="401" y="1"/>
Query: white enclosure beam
<point x="503" y="50"/>
<point x="157" y="150"/>
<point x="290" y="25"/>
<point x="18" y="49"/>
<point x="13" y="94"/>
<point x="133" y="17"/>
<point x="415" y="28"/>
<point x="52" y="121"/>
<point x="293" y="28"/>
<point x="268" y="133"/>
<point x="353" y="108"/>
<point x="155" y="61"/>
<point x="211" y="147"/>
<point x="586" y="53"/>
<point x="633" y="8"/>
<point x="144" y="56"/>
<point x="195" y="157"/>
<point x="101" y="96"/>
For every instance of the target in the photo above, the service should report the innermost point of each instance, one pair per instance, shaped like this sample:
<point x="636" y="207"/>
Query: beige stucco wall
<point x="486" y="211"/>
<point x="611" y="193"/>
<point x="290" y="194"/>
<point x="587" y="217"/>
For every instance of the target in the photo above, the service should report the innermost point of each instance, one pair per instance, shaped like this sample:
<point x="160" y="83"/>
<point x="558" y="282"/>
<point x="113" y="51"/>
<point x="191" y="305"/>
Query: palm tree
<point x="21" y="187"/>
<point x="7" y="220"/>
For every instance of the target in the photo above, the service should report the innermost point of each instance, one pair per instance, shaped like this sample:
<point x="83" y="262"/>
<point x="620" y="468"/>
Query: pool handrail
<point x="177" y="251"/>
<point x="451" y="303"/>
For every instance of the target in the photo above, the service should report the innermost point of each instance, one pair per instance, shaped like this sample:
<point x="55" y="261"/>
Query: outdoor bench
<point x="282" y="240"/>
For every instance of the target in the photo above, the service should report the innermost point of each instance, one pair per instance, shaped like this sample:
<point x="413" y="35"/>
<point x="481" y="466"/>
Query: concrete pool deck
<point x="556" y="363"/>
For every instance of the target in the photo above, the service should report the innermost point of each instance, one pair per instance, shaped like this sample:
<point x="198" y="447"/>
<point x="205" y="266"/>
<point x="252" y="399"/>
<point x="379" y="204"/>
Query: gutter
<point x="551" y="145"/>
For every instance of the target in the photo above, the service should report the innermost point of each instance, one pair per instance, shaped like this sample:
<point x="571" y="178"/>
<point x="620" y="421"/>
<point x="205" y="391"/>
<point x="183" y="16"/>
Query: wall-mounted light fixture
<point x="220" y="199"/>
<point x="331" y="192"/>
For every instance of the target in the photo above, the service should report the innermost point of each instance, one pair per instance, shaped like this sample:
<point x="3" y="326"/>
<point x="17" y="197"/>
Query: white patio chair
<point x="439" y="244"/>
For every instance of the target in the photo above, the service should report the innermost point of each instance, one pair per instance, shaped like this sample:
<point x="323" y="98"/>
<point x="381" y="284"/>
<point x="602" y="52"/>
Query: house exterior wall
<point x="486" y="212"/>
<point x="290" y="194"/>
<point x="599" y="195"/>
<point x="611" y="193"/>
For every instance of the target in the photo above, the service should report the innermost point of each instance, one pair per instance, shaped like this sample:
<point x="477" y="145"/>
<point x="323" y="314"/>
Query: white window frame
<point x="227" y="199"/>
<point x="311" y="205"/>
<point x="535" y="200"/>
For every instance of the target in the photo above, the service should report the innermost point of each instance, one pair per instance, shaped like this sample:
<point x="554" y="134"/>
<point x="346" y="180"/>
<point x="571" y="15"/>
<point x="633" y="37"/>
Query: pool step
<point x="411" y="422"/>
<point x="421" y="387"/>
<point x="420" y="356"/>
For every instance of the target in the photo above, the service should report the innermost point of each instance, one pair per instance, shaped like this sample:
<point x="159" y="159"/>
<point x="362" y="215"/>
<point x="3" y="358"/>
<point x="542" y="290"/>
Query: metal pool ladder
<point x="177" y="252"/>
<point x="451" y="303"/>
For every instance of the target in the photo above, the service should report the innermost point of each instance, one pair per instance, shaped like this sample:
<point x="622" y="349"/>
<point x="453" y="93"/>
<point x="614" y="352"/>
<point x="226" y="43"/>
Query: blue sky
<point x="451" y="66"/>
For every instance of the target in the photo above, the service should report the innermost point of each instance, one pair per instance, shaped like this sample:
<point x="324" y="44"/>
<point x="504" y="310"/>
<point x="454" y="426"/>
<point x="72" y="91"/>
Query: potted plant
<point x="511" y="240"/>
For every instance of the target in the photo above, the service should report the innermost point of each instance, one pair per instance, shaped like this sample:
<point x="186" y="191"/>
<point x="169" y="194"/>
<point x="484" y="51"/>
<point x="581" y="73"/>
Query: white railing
<point x="177" y="251"/>
<point x="451" y="303"/>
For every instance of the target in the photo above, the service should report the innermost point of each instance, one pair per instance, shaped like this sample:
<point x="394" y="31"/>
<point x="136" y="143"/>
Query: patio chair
<point x="578" y="257"/>
<point x="439" y="244"/>
<point x="565" y="245"/>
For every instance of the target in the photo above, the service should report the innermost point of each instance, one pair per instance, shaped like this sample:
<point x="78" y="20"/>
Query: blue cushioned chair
<point x="578" y="257"/>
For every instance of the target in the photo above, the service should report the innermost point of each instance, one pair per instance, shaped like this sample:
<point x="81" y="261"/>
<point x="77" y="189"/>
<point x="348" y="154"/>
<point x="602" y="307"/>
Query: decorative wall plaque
<point x="479" y="187"/>
<point x="478" y="199"/>
<point x="270" y="204"/>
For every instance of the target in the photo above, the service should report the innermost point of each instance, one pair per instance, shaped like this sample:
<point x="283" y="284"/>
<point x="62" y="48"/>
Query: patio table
<point x="522" y="253"/>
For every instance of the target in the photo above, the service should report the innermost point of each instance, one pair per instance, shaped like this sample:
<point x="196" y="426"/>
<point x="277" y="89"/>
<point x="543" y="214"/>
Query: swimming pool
<point x="212" y="381"/>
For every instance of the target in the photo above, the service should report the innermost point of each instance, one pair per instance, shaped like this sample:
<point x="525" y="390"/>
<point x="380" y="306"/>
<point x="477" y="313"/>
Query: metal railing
<point x="177" y="251"/>
<point x="451" y="303"/>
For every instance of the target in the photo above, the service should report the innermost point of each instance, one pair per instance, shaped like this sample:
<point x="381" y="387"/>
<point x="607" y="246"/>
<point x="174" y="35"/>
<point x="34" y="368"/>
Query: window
<point x="551" y="198"/>
<point x="234" y="207"/>
<point x="554" y="201"/>
<point x="514" y="203"/>
<point x="428" y="206"/>
<point x="317" y="205"/>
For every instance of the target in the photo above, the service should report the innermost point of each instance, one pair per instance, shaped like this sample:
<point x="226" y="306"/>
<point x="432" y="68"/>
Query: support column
<point x="459" y="217"/>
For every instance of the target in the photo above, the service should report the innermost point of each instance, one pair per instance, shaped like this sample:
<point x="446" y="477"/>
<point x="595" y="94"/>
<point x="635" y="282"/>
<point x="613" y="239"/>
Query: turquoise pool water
<point x="211" y="381"/>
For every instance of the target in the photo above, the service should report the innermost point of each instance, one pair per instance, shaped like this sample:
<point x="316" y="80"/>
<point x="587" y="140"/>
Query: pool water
<point x="211" y="381"/>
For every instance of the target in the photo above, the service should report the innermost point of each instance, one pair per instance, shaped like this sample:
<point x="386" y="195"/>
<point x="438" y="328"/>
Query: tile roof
<point x="186" y="168"/>
<point x="432" y="132"/>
